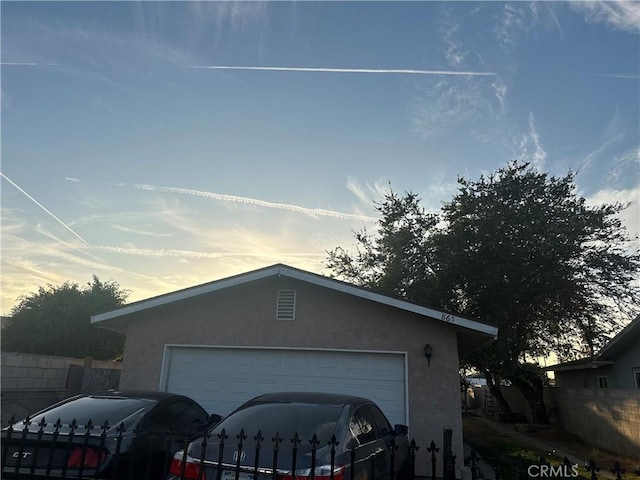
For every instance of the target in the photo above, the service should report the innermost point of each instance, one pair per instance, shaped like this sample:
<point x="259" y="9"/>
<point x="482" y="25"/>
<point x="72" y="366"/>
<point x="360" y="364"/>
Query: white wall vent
<point x="286" y="308"/>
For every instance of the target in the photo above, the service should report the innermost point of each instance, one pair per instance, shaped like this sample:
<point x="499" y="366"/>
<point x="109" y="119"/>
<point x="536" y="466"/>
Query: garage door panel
<point x="221" y="378"/>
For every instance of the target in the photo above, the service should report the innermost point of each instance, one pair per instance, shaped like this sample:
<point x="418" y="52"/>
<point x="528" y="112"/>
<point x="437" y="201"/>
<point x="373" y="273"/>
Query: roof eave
<point x="582" y="366"/>
<point x="290" y="272"/>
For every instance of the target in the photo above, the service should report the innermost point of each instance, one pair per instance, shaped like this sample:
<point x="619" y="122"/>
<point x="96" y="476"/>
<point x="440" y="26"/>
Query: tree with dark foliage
<point x="518" y="249"/>
<point x="56" y="321"/>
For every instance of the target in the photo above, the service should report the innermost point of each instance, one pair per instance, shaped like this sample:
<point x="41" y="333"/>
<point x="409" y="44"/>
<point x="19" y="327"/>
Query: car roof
<point x="320" y="398"/>
<point x="136" y="394"/>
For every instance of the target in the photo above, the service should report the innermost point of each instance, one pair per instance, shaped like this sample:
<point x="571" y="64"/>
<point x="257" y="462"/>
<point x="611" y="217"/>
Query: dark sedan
<point x="120" y="435"/>
<point x="285" y="436"/>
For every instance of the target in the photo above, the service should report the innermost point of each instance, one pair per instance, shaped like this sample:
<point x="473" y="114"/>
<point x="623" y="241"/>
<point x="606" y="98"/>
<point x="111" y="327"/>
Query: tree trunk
<point x="532" y="389"/>
<point x="493" y="382"/>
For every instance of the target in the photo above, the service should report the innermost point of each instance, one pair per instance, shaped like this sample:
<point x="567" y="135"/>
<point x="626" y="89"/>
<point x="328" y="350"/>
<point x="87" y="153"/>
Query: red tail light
<point x="191" y="468"/>
<point x="320" y="473"/>
<point x="92" y="457"/>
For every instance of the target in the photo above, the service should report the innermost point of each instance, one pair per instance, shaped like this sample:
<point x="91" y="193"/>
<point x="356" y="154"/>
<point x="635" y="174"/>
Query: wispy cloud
<point x="588" y="159"/>
<point x="500" y="91"/>
<point x="368" y="194"/>
<point x="477" y="102"/>
<point x="529" y="146"/>
<point x="454" y="101"/>
<point x="626" y="164"/>
<point x="43" y="208"/>
<point x="401" y="71"/>
<point x="454" y="53"/>
<point x="554" y="19"/>
<point x="515" y="21"/>
<point x="630" y="217"/>
<point x="620" y="15"/>
<point x="22" y="251"/>
<point x="519" y="19"/>
<point x="139" y="231"/>
<point x="539" y="155"/>
<point x="314" y="212"/>
<point x="239" y="14"/>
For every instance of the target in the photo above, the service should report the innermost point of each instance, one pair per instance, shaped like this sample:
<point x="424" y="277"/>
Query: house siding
<point x="619" y="375"/>
<point x="626" y="361"/>
<point x="245" y="315"/>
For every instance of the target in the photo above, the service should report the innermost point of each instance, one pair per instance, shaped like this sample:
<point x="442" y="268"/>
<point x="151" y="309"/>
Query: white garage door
<point x="221" y="379"/>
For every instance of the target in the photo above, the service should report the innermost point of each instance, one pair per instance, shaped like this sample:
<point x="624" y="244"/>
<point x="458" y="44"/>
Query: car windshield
<point x="96" y="409"/>
<point x="286" y="419"/>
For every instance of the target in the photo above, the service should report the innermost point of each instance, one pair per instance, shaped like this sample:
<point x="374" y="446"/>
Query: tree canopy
<point x="518" y="249"/>
<point x="55" y="320"/>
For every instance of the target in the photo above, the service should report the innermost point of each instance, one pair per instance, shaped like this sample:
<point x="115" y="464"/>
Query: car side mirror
<point x="401" y="429"/>
<point x="214" y="419"/>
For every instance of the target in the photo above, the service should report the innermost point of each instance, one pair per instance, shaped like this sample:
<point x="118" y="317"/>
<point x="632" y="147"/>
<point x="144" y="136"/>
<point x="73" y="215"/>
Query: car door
<point x="371" y="450"/>
<point x="386" y="434"/>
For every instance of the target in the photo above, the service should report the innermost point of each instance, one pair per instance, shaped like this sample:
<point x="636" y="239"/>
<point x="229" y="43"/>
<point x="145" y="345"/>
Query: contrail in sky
<point x="29" y="64"/>
<point x="401" y="71"/>
<point x="43" y="208"/>
<point x="253" y="201"/>
<point x="631" y="76"/>
<point x="191" y="254"/>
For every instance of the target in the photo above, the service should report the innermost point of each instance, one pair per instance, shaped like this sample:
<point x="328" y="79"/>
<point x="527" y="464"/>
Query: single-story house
<point x="616" y="365"/>
<point x="284" y="329"/>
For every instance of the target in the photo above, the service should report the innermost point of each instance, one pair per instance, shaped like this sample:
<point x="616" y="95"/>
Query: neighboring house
<point x="616" y="365"/>
<point x="283" y="329"/>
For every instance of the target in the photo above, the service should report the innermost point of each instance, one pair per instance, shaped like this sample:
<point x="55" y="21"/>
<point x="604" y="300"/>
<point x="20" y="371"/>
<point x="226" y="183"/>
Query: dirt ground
<point x="506" y="444"/>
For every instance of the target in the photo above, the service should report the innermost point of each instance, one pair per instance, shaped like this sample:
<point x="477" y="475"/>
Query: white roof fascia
<point x="184" y="294"/>
<point x="393" y="302"/>
<point x="305" y="277"/>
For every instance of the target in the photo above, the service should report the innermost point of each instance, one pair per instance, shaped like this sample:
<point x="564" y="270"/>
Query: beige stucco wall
<point x="245" y="316"/>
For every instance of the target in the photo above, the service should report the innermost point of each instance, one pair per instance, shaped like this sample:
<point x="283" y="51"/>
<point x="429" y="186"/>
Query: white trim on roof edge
<point x="284" y="270"/>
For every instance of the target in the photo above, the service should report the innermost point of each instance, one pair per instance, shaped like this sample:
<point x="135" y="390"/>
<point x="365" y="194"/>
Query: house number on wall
<point x="448" y="318"/>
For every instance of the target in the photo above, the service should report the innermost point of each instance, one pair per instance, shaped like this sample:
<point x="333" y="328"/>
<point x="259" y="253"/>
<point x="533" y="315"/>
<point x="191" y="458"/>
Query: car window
<point x="384" y="427"/>
<point x="363" y="425"/>
<point x="177" y="415"/>
<point x="286" y="419"/>
<point x="96" y="409"/>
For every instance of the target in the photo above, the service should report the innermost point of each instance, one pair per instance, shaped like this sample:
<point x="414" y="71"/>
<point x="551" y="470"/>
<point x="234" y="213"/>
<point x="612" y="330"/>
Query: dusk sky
<point x="169" y="144"/>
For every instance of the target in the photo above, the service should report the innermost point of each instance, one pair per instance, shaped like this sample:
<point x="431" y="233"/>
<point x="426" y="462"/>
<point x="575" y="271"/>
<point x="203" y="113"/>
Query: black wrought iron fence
<point x="72" y="451"/>
<point x="104" y="451"/>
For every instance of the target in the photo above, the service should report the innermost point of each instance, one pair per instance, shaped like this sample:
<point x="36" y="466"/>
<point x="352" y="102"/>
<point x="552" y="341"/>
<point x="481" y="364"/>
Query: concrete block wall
<point x="605" y="418"/>
<point x="30" y="382"/>
<point x="21" y="371"/>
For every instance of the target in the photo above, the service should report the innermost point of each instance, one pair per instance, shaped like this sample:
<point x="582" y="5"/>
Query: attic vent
<point x="286" y="308"/>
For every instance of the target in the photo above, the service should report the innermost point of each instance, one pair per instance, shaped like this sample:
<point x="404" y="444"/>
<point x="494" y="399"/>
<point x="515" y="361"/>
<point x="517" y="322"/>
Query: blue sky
<point x="128" y="152"/>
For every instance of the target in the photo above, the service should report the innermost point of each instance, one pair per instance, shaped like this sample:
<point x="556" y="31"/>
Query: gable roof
<point x="302" y="275"/>
<point x="629" y="335"/>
